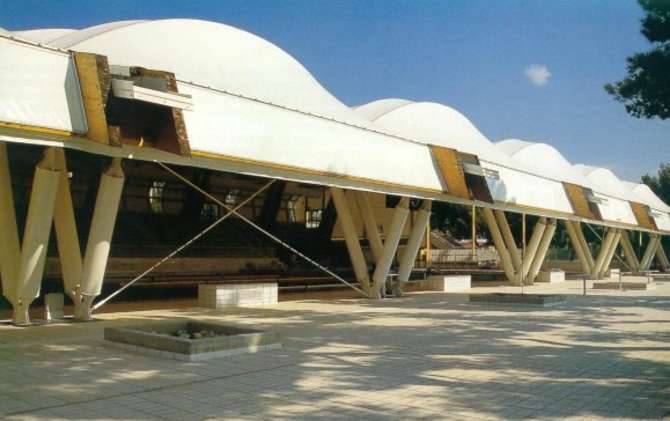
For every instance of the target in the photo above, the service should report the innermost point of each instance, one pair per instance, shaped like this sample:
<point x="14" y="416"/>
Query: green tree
<point x="660" y="183"/>
<point x="645" y="92"/>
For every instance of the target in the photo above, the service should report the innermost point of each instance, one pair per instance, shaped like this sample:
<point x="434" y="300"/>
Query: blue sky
<point x="472" y="55"/>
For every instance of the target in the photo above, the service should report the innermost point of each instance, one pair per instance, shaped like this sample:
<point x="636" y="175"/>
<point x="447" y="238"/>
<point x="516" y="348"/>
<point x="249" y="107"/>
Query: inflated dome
<point x="543" y="159"/>
<point x="605" y="181"/>
<point x="647" y="196"/>
<point x="215" y="55"/>
<point x="375" y="109"/>
<point x="44" y="36"/>
<point x="433" y="123"/>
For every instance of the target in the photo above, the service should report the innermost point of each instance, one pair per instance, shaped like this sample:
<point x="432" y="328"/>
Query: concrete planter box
<point x="518" y="299"/>
<point x="551" y="276"/>
<point x="157" y="339"/>
<point x="233" y="295"/>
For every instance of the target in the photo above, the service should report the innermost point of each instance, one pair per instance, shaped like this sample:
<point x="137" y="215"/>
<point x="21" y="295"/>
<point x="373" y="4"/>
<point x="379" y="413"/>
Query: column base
<point x="20" y="316"/>
<point x="375" y="293"/>
<point x="396" y="289"/>
<point x="83" y="308"/>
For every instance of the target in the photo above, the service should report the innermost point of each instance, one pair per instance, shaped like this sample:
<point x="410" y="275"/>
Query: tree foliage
<point x="645" y="91"/>
<point x="456" y="219"/>
<point x="660" y="183"/>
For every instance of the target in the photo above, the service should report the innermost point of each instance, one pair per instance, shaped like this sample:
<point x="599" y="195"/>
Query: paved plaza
<point x="424" y="356"/>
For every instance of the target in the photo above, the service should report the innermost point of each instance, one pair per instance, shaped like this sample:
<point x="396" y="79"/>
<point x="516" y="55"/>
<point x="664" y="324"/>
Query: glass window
<point x="313" y="218"/>
<point x="232" y="197"/>
<point x="156" y="196"/>
<point x="291" y="206"/>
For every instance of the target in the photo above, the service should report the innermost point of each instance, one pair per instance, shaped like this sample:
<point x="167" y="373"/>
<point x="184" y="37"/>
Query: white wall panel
<point x="616" y="210"/>
<point x="662" y="221"/>
<point x="250" y="130"/>
<point x="39" y="87"/>
<point x="516" y="187"/>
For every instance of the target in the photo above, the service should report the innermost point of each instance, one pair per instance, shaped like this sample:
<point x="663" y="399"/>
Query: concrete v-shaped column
<point x="100" y="237"/>
<point x="10" y="252"/>
<point x="413" y="245"/>
<point x="610" y="254"/>
<point x="602" y="254"/>
<point x="23" y="277"/>
<point x="506" y="232"/>
<point x="533" y="245"/>
<point x="583" y="255"/>
<point x="67" y="238"/>
<point x="649" y="253"/>
<point x="351" y="238"/>
<point x="661" y="256"/>
<point x="370" y="224"/>
<point x="499" y="243"/>
<point x="542" y="250"/>
<point x="629" y="252"/>
<point x="585" y="245"/>
<point x="390" y="247"/>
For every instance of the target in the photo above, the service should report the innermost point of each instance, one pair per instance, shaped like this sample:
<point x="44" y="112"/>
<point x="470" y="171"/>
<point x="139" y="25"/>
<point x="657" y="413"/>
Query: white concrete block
<point x="450" y="283"/>
<point x="226" y="295"/>
<point x="551" y="276"/>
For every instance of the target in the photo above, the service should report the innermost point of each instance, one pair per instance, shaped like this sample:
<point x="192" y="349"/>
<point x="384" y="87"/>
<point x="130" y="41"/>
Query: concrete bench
<point x="233" y="295"/>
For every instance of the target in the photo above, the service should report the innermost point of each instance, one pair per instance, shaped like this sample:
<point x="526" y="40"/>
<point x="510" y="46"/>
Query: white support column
<point x="100" y="237"/>
<point x="36" y="236"/>
<point x="602" y="254"/>
<point x="65" y="226"/>
<point x="506" y="232"/>
<point x="390" y="247"/>
<point x="351" y="238"/>
<point x="533" y="245"/>
<point x="649" y="253"/>
<point x="661" y="256"/>
<point x="499" y="243"/>
<point x="413" y="245"/>
<point x="610" y="254"/>
<point x="370" y="224"/>
<point x="577" y="246"/>
<point x="629" y="252"/>
<point x="542" y="250"/>
<point x="10" y="252"/>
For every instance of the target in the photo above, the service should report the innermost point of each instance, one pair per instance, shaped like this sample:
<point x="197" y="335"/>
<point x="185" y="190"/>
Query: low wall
<point x="223" y="265"/>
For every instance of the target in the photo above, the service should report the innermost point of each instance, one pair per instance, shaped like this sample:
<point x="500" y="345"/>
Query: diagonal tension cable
<point x="231" y="211"/>
<point x="260" y="229"/>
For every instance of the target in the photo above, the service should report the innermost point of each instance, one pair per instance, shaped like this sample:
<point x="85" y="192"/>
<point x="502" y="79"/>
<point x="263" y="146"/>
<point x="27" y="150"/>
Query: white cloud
<point x="538" y="74"/>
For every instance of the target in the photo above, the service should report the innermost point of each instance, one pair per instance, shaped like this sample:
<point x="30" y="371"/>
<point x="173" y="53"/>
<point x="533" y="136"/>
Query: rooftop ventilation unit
<point x="591" y="197"/>
<point x="655" y="214"/>
<point x="130" y="89"/>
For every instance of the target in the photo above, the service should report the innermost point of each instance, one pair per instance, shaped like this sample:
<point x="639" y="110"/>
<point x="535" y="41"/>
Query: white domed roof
<point x="76" y="37"/>
<point x="647" y="196"/>
<point x="44" y="36"/>
<point x="375" y="109"/>
<point x="435" y="124"/>
<point x="543" y="159"/>
<point x="605" y="181"/>
<point x="214" y="55"/>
